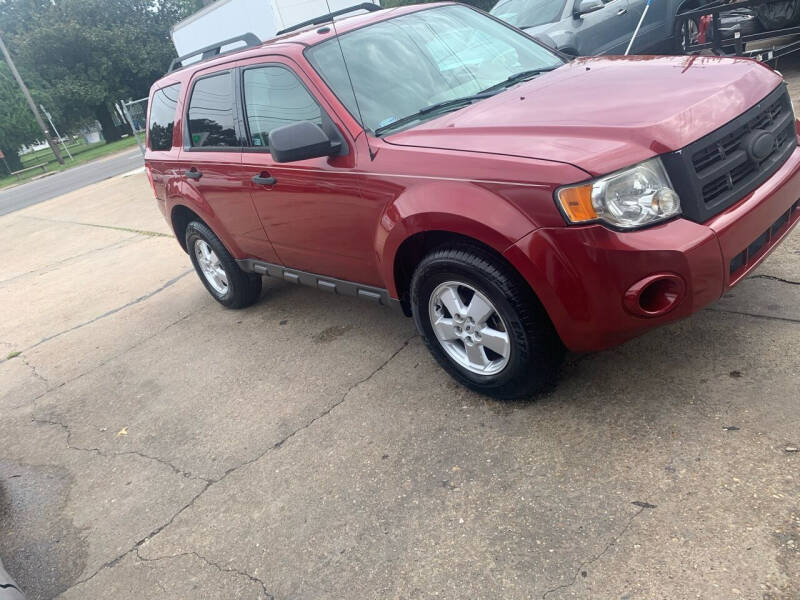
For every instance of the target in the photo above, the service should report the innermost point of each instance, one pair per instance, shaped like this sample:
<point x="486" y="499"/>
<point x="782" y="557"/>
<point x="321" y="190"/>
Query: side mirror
<point x="299" y="141"/>
<point x="583" y="7"/>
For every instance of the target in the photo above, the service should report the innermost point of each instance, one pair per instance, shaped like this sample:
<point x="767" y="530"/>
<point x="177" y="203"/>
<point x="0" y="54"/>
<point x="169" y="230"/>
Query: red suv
<point x="436" y="159"/>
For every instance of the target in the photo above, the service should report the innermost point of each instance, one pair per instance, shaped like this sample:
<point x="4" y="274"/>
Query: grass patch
<point x="13" y="354"/>
<point x="81" y="152"/>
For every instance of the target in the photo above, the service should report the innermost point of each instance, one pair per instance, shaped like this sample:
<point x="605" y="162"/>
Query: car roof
<point x="302" y="38"/>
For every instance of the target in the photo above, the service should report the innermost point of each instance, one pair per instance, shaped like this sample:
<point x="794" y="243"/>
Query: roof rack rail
<point x="368" y="6"/>
<point x="212" y="51"/>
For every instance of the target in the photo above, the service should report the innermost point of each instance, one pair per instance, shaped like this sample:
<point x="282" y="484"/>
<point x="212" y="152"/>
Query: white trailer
<point x="226" y="19"/>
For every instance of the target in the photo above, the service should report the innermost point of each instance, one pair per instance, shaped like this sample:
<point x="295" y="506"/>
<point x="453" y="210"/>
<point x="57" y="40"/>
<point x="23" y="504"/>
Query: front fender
<point x="463" y="208"/>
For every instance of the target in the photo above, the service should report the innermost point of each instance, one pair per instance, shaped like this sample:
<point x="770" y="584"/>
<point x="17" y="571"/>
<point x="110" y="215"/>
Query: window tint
<point x="211" y="112"/>
<point x="273" y="97"/>
<point x="162" y="117"/>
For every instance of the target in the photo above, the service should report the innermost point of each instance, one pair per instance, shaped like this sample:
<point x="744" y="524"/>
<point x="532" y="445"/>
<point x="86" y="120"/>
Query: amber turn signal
<point x="577" y="203"/>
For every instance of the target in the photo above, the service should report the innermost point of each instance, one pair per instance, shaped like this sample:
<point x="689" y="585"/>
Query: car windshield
<point x="404" y="65"/>
<point x="528" y="13"/>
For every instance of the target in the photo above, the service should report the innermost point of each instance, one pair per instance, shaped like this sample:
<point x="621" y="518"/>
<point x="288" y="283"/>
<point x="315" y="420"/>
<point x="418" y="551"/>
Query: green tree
<point x="91" y="53"/>
<point x="17" y="125"/>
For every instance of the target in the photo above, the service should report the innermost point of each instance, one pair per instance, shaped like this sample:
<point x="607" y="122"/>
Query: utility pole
<point x="31" y="103"/>
<point x="58" y="135"/>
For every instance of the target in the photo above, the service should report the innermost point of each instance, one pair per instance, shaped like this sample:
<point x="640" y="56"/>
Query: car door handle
<point x="622" y="11"/>
<point x="264" y="179"/>
<point x="193" y="173"/>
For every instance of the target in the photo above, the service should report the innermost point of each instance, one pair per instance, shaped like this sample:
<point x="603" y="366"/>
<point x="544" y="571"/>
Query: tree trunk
<point x="12" y="160"/>
<point x="110" y="132"/>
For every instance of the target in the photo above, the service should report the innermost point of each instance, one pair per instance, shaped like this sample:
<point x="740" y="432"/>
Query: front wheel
<point x="483" y="324"/>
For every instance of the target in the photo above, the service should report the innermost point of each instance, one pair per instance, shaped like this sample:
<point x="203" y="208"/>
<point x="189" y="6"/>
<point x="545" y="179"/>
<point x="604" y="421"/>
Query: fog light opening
<point x="655" y="295"/>
<point x="658" y="296"/>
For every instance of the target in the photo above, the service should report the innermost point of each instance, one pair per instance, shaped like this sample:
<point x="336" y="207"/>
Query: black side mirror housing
<point x="300" y="141"/>
<point x="583" y="7"/>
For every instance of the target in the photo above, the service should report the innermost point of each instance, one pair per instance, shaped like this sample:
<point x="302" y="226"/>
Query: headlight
<point x="637" y="196"/>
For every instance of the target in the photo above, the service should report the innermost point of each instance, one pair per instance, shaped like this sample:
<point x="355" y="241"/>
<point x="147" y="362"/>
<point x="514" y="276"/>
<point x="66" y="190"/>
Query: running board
<point x="326" y="284"/>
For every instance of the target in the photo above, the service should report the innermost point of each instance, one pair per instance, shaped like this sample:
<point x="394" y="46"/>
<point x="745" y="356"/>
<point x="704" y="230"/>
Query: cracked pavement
<point x="155" y="445"/>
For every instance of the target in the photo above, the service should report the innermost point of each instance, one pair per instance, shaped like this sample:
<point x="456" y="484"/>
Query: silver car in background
<point x="591" y="27"/>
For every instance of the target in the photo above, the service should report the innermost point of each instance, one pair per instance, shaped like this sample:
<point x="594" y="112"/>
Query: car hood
<point x="602" y="114"/>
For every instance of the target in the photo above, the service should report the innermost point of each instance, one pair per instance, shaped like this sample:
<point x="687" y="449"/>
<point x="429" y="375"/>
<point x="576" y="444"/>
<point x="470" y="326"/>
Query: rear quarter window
<point x="211" y="114"/>
<point x="162" y="117"/>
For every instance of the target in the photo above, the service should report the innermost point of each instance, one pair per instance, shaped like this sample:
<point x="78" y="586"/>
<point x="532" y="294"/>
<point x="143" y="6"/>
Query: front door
<point x="312" y="210"/>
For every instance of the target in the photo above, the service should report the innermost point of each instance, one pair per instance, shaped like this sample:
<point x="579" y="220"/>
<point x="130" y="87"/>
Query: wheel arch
<point x="180" y="217"/>
<point x="434" y="213"/>
<point x="184" y="212"/>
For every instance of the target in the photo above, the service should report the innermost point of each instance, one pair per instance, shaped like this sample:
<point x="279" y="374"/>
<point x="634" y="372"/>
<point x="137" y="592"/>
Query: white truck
<point x="226" y="19"/>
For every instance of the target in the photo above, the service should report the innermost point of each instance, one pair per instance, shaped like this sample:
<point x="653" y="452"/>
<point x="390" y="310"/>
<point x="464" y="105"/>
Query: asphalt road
<point x="55" y="185"/>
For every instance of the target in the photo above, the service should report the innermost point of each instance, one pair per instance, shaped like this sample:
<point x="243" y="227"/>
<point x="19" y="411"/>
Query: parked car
<point x="513" y="203"/>
<point x="593" y="27"/>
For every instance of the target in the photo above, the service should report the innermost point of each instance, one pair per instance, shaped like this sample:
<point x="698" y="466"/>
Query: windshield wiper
<point x="445" y="105"/>
<point x="519" y="77"/>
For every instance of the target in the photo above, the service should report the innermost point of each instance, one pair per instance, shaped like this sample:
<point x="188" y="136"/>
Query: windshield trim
<point x="356" y="118"/>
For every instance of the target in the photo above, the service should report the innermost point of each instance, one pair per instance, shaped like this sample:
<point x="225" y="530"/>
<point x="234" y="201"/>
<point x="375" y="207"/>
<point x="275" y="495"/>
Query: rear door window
<point x="273" y="97"/>
<point x="211" y="112"/>
<point x="162" y="117"/>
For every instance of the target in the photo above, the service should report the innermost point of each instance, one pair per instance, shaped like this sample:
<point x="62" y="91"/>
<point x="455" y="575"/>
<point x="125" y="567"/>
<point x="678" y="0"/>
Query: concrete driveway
<point x="155" y="445"/>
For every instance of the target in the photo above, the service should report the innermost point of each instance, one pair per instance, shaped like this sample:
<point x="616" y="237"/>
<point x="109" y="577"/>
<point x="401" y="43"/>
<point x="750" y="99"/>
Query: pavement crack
<point x="55" y="265"/>
<point x="211" y="563"/>
<point x="34" y="370"/>
<point x="113" y="227"/>
<point x="108" y="360"/>
<point x="145" y="539"/>
<point x="328" y="410"/>
<point x="774" y="278"/>
<point x="210" y="482"/>
<point x="108" y="313"/>
<point x="598" y="556"/>
<point x="754" y="315"/>
<point x="111" y="454"/>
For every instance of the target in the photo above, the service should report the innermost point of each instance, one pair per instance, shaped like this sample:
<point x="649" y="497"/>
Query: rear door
<point x="604" y="31"/>
<point x="211" y="165"/>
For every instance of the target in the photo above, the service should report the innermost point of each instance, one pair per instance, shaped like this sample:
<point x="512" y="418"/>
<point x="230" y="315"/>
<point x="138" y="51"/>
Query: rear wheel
<point x="686" y="32"/>
<point x="217" y="269"/>
<point x="483" y="324"/>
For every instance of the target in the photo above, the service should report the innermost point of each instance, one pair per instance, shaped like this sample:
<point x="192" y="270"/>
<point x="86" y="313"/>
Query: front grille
<point x="717" y="170"/>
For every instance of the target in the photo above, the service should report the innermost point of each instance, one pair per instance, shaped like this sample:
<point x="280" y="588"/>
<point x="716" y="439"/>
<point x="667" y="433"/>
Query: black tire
<point x="778" y="15"/>
<point x="535" y="348"/>
<point x="243" y="289"/>
<point x="685" y="33"/>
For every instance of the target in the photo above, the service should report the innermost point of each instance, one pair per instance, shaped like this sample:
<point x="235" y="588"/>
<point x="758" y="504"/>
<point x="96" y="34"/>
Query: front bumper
<point x="581" y="274"/>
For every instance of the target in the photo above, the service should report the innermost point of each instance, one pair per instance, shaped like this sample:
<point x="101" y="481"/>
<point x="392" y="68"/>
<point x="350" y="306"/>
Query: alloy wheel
<point x="469" y="328"/>
<point x="211" y="267"/>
